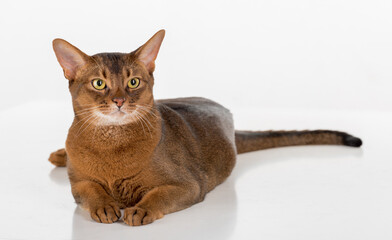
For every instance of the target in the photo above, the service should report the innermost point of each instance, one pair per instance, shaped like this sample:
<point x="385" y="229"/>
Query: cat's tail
<point x="58" y="158"/>
<point x="247" y="141"/>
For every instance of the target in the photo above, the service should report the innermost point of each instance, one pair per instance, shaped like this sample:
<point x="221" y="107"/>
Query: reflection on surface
<point x="215" y="217"/>
<point x="59" y="175"/>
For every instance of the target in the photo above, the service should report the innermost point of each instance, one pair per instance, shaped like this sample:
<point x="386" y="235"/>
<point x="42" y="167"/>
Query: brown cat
<point x="126" y="150"/>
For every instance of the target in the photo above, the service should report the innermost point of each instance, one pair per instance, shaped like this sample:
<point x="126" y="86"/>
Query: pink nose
<point x="119" y="101"/>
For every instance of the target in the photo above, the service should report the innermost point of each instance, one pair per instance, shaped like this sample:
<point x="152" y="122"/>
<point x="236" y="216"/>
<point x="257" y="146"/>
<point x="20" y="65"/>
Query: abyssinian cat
<point x="151" y="157"/>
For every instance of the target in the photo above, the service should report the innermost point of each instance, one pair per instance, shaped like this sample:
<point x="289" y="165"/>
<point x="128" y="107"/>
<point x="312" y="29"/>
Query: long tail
<point x="247" y="141"/>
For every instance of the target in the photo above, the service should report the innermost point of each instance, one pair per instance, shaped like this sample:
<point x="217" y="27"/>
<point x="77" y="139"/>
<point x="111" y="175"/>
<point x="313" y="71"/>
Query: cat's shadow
<point x="215" y="217"/>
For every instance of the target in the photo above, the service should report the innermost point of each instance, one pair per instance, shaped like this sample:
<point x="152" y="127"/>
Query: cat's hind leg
<point x="58" y="158"/>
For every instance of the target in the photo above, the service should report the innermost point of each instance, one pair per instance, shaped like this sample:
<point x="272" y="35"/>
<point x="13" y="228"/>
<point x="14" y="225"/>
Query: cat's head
<point x="110" y="88"/>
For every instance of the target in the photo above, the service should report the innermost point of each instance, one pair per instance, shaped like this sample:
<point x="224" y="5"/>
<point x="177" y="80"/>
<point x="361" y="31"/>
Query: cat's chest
<point x="107" y="162"/>
<point x="124" y="176"/>
<point x="126" y="182"/>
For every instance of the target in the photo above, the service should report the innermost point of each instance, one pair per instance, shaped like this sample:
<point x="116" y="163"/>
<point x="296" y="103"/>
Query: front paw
<point x="136" y="216"/>
<point x="109" y="213"/>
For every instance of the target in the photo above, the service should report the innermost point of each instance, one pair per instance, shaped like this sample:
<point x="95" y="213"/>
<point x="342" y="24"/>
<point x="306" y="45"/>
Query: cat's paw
<point x="136" y="216"/>
<point x="109" y="213"/>
<point x="58" y="158"/>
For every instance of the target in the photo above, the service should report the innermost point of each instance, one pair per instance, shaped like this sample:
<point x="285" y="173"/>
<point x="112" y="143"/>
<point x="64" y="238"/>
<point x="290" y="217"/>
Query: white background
<point x="276" y="64"/>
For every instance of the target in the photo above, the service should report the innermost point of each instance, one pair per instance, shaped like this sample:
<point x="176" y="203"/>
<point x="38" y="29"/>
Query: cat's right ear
<point x="70" y="57"/>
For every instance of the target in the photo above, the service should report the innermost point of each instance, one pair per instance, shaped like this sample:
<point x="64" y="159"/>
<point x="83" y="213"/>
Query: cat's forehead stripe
<point x="113" y="62"/>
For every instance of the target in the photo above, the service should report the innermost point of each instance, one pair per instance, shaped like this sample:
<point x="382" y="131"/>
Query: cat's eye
<point x="134" y="83"/>
<point x="98" y="84"/>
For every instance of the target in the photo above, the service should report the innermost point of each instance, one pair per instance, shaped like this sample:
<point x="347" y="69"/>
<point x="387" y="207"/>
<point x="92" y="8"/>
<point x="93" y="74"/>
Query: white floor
<point x="318" y="192"/>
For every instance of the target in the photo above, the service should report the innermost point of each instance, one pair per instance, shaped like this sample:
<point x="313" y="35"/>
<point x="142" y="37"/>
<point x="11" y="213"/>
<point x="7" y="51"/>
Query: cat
<point x="126" y="150"/>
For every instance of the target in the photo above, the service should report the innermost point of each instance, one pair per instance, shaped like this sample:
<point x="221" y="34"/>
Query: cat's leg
<point x="160" y="201"/>
<point x="94" y="198"/>
<point x="58" y="158"/>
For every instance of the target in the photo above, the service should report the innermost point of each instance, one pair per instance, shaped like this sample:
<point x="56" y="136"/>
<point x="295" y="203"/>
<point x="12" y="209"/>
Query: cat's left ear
<point x="149" y="51"/>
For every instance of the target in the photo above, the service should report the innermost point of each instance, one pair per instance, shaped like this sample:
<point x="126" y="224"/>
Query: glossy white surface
<point x="316" y="192"/>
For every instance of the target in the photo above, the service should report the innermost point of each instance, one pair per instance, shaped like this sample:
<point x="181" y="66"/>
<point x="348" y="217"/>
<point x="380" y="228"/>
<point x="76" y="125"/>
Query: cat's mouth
<point x="117" y="112"/>
<point x="118" y="116"/>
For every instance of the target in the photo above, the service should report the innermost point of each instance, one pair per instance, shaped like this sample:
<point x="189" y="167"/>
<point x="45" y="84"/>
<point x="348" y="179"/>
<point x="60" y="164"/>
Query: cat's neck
<point x="143" y="132"/>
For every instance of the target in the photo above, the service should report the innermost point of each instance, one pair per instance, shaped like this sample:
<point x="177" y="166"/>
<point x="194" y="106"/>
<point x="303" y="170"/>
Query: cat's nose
<point x="119" y="101"/>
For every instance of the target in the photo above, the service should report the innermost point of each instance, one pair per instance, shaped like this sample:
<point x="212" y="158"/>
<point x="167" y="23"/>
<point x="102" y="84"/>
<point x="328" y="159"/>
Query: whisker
<point x="148" y="121"/>
<point x="87" y="109"/>
<point x="97" y="116"/>
<point x="142" y="119"/>
<point x="145" y="118"/>
<point x="141" y="123"/>
<point x="84" y="118"/>
<point x="151" y="113"/>
<point x="83" y="113"/>
<point x="91" y="117"/>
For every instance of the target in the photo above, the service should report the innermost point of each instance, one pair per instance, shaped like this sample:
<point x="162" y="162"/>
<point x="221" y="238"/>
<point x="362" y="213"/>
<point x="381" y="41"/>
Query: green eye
<point x="134" y="83"/>
<point x="99" y="84"/>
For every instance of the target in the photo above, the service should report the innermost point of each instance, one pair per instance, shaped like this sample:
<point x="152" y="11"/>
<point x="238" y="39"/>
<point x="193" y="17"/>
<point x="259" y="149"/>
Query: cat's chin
<point x="113" y="118"/>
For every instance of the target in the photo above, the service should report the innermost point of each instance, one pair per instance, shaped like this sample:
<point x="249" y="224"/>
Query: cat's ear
<point x="149" y="51"/>
<point x="70" y="57"/>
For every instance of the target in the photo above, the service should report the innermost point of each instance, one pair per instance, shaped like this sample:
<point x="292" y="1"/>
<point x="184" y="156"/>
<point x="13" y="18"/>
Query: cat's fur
<point x="154" y="157"/>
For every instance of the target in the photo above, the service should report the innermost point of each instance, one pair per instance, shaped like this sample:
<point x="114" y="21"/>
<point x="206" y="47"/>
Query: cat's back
<point x="189" y="102"/>
<point x="195" y="105"/>
<point x="200" y="113"/>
